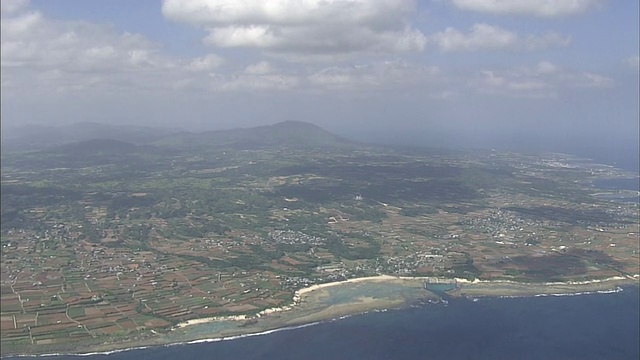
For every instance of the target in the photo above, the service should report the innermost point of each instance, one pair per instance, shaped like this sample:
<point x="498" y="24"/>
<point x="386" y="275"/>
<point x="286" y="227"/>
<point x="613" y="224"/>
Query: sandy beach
<point x="306" y="290"/>
<point x="210" y="319"/>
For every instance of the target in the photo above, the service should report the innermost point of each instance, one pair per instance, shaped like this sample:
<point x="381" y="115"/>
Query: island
<point x="110" y="244"/>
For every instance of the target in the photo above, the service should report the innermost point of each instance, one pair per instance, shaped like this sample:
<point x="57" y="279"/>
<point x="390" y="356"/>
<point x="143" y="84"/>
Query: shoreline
<point x="298" y="294"/>
<point x="297" y="298"/>
<point x="309" y="308"/>
<point x="509" y="288"/>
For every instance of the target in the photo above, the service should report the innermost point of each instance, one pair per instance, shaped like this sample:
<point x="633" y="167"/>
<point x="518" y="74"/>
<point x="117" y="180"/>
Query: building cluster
<point x="413" y="263"/>
<point x="294" y="238"/>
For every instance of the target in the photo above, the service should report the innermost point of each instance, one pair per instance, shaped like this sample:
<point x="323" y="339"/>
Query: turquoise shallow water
<point x="440" y="288"/>
<point x="346" y="293"/>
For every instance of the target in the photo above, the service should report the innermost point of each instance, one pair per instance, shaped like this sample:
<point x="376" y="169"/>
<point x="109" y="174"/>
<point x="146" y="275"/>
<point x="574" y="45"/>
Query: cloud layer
<point x="487" y="37"/>
<point x="32" y="40"/>
<point x="303" y="26"/>
<point x="544" y="80"/>
<point x="538" y="8"/>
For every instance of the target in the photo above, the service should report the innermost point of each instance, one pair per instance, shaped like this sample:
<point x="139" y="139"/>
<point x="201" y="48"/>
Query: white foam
<point x="611" y="291"/>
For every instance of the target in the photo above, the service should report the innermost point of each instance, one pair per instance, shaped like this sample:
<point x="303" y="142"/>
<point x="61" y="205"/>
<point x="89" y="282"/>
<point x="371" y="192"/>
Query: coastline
<point x="487" y="288"/>
<point x="509" y="288"/>
<point x="298" y="295"/>
<point x="313" y="305"/>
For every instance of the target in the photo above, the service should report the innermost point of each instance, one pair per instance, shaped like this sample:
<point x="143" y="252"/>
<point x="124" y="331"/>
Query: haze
<point x="555" y="75"/>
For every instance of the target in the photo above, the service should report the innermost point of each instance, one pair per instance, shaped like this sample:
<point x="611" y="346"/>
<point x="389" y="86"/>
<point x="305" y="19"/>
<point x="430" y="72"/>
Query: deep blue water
<point x="599" y="326"/>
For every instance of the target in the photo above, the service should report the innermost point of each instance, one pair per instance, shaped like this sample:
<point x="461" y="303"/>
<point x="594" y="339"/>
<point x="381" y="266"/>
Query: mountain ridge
<point x="290" y="133"/>
<point x="38" y="137"/>
<point x="283" y="134"/>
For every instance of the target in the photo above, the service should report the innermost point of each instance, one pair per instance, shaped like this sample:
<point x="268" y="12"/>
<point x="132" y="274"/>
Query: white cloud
<point x="31" y="40"/>
<point x="633" y="61"/>
<point x="444" y="95"/>
<point x="335" y="77"/>
<point x="303" y="27"/>
<point x="47" y="57"/>
<point x="380" y="75"/>
<point x="43" y="58"/>
<point x="481" y="36"/>
<point x="205" y="63"/>
<point x="538" y="8"/>
<point x="14" y="26"/>
<point x="487" y="37"/>
<point x="9" y="7"/>
<point x="514" y="84"/>
<point x="588" y="80"/>
<point x="541" y="81"/>
<point x="546" y="67"/>
<point x="533" y="42"/>
<point x="252" y="82"/>
<point x="378" y="13"/>
<point x="260" y="68"/>
<point x="237" y="36"/>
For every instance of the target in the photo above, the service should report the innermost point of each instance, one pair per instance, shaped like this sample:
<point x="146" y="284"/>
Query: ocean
<point x="588" y="326"/>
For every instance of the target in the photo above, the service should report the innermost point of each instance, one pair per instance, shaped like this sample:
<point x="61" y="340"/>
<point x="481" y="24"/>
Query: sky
<point x="464" y="72"/>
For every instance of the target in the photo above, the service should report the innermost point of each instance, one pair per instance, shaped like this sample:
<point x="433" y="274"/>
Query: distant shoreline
<point x="309" y="308"/>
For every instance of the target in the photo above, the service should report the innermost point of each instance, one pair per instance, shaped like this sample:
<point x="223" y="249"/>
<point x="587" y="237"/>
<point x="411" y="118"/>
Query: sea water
<point x="594" y="326"/>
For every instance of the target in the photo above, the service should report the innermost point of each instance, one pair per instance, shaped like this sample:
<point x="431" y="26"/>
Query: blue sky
<point x="448" y="70"/>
